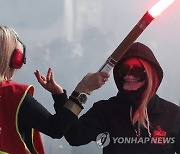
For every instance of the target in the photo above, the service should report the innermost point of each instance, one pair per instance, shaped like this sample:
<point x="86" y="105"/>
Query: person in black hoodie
<point x="136" y="120"/>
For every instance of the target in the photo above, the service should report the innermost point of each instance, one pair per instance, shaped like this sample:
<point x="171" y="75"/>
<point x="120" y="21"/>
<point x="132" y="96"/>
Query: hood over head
<point x="139" y="50"/>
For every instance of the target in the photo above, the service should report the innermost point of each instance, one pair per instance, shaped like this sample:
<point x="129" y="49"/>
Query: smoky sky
<point x="76" y="37"/>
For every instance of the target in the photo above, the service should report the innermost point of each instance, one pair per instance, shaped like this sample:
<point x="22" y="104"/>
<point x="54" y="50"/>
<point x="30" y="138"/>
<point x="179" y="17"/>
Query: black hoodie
<point x="110" y="119"/>
<point x="139" y="50"/>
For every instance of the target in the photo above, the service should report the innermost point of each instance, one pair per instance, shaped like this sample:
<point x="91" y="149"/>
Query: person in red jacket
<point x="22" y="117"/>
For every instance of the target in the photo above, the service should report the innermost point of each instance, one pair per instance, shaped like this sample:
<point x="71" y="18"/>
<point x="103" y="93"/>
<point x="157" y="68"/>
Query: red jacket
<point x="11" y="97"/>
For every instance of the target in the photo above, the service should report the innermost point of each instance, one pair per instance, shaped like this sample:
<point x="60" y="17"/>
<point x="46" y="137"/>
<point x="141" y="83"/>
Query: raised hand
<point x="48" y="82"/>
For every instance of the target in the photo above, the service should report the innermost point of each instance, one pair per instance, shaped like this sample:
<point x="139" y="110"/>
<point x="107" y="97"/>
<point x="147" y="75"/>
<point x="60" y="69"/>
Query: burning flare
<point x="160" y="7"/>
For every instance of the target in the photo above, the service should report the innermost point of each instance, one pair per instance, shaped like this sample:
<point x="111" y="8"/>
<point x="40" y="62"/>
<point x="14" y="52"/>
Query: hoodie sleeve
<point x="177" y="138"/>
<point x="177" y="144"/>
<point x="88" y="127"/>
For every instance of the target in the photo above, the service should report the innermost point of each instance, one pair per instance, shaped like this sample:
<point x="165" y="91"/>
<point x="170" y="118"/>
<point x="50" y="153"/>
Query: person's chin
<point x="135" y="94"/>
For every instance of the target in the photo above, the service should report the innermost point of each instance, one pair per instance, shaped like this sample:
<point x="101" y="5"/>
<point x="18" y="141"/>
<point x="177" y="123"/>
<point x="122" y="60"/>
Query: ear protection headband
<point x="18" y="57"/>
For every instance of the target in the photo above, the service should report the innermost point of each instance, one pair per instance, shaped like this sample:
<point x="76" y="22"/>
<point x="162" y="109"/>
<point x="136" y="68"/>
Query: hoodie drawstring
<point x="138" y="132"/>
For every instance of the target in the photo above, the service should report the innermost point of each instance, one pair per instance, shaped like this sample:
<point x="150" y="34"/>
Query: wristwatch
<point x="81" y="97"/>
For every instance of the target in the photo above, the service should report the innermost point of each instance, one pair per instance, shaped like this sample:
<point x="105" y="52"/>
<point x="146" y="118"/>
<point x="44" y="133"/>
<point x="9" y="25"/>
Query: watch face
<point x="82" y="98"/>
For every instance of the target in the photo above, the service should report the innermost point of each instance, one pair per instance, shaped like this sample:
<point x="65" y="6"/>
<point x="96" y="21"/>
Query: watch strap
<point x="76" y="101"/>
<point x="81" y="97"/>
<point x="75" y="94"/>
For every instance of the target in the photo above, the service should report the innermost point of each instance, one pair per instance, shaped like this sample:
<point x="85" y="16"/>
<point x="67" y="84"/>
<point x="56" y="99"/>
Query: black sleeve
<point x="59" y="101"/>
<point x="177" y="142"/>
<point x="87" y="128"/>
<point x="34" y="115"/>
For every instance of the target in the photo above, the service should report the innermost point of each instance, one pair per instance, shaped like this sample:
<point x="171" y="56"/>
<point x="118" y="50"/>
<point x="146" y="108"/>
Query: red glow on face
<point x="132" y="62"/>
<point x="160" y="7"/>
